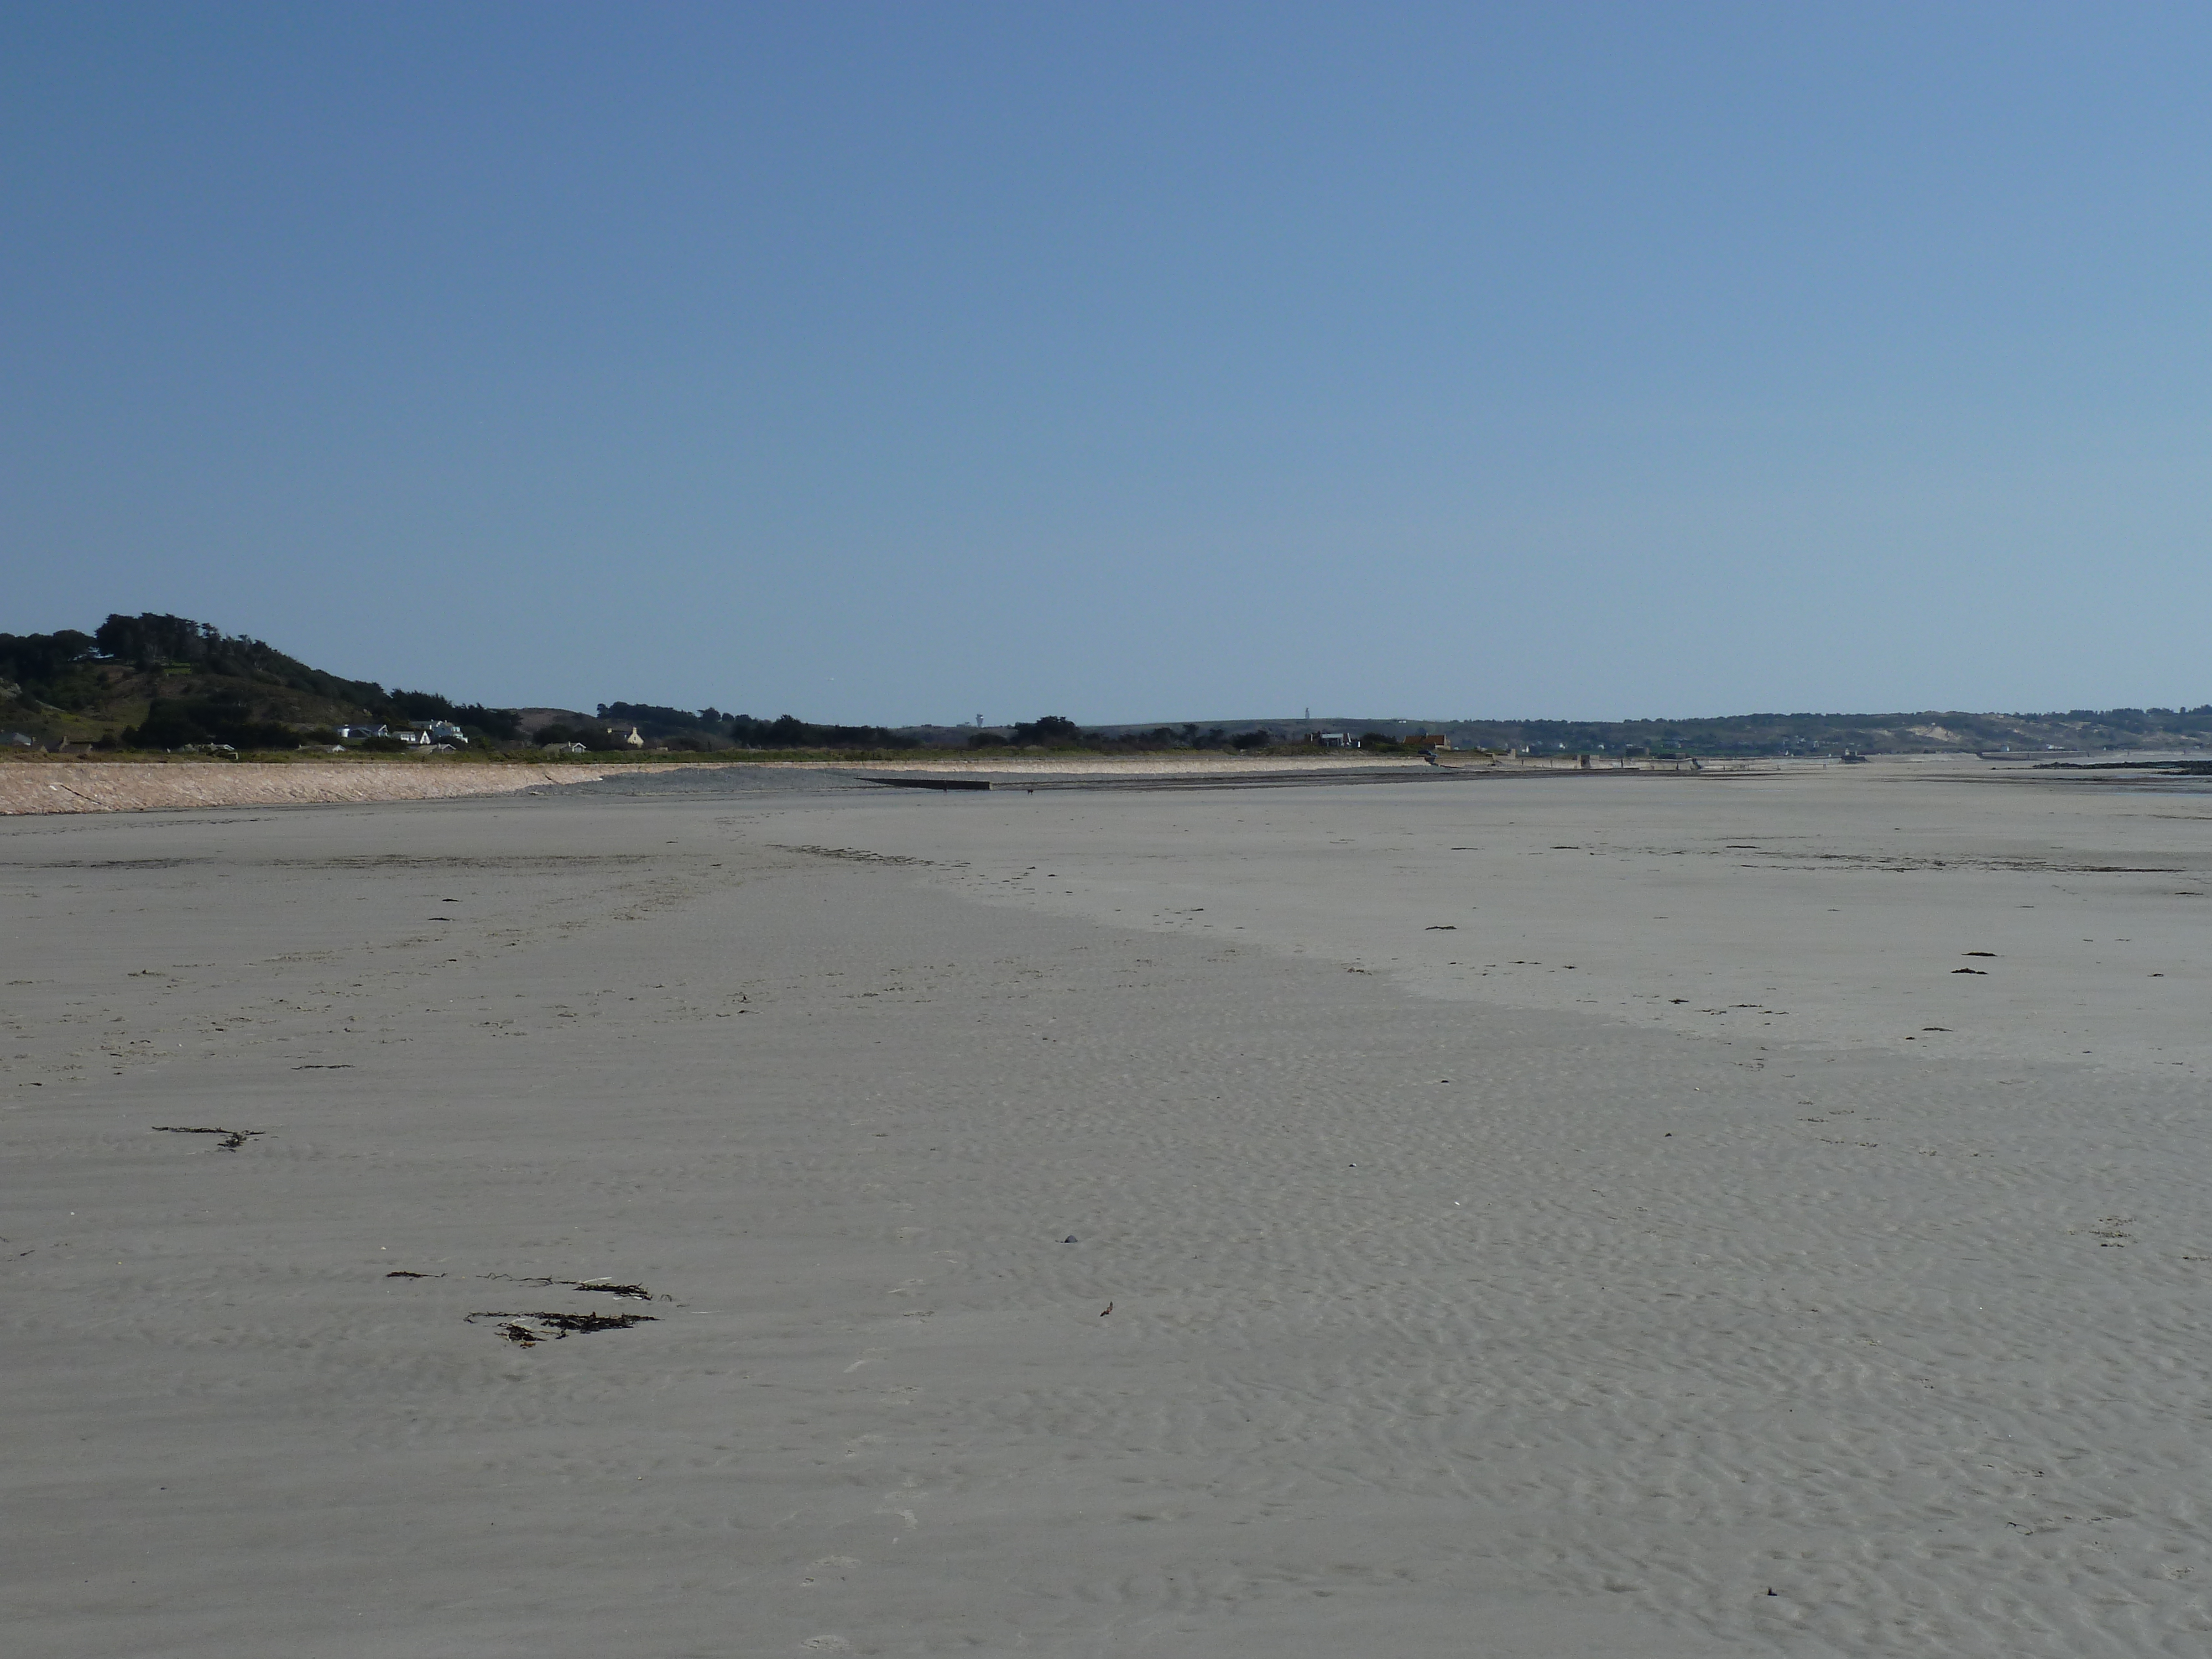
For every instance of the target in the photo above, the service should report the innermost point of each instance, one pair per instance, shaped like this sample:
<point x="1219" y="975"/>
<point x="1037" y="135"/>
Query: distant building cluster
<point x="419" y="734"/>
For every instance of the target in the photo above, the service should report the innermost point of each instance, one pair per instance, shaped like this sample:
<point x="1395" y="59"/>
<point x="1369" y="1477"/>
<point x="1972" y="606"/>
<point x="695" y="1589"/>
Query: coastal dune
<point x="1106" y="1225"/>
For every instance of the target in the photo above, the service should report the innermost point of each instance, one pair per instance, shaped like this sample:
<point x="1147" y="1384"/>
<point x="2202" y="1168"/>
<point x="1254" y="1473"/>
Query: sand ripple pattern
<point x="1424" y="1320"/>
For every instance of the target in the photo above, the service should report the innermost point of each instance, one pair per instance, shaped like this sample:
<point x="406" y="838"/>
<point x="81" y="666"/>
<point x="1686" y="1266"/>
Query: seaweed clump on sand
<point x="526" y="1330"/>
<point x="231" y="1141"/>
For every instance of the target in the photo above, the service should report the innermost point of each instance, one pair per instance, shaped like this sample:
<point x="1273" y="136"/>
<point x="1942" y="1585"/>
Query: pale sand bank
<point x="30" y="787"/>
<point x="1834" y="906"/>
<point x="38" y="787"/>
<point x="1441" y="1325"/>
<point x="1217" y="764"/>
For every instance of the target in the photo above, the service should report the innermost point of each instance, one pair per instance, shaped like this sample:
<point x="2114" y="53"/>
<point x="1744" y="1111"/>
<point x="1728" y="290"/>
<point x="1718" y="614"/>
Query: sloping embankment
<point x="139" y="786"/>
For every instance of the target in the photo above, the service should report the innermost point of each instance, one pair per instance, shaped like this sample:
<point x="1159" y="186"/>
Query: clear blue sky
<point x="906" y="362"/>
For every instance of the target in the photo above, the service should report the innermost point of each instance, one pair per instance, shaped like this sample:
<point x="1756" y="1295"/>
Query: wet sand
<point x="1461" y="1304"/>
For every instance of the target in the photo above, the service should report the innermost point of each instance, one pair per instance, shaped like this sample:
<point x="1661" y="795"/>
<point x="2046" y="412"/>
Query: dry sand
<point x="38" y="787"/>
<point x="44" y="786"/>
<point x="1467" y="1303"/>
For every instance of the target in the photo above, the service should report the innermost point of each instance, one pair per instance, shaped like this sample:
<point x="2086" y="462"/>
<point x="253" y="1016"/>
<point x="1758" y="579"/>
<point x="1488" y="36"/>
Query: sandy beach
<point x="51" y="787"/>
<point x="1536" y="1218"/>
<point x="43" y="786"/>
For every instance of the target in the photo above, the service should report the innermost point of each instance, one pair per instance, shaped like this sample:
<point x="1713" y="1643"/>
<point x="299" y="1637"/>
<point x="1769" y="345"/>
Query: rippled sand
<point x="1461" y="1304"/>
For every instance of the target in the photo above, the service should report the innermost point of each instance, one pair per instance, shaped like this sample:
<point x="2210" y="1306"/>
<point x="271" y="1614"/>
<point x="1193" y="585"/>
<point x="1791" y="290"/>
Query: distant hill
<point x="155" y="682"/>
<point x="162" y="681"/>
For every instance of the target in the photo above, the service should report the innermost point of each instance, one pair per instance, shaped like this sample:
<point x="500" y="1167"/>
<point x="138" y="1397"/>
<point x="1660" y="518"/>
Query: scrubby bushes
<point x="789" y="732"/>
<point x="183" y="722"/>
